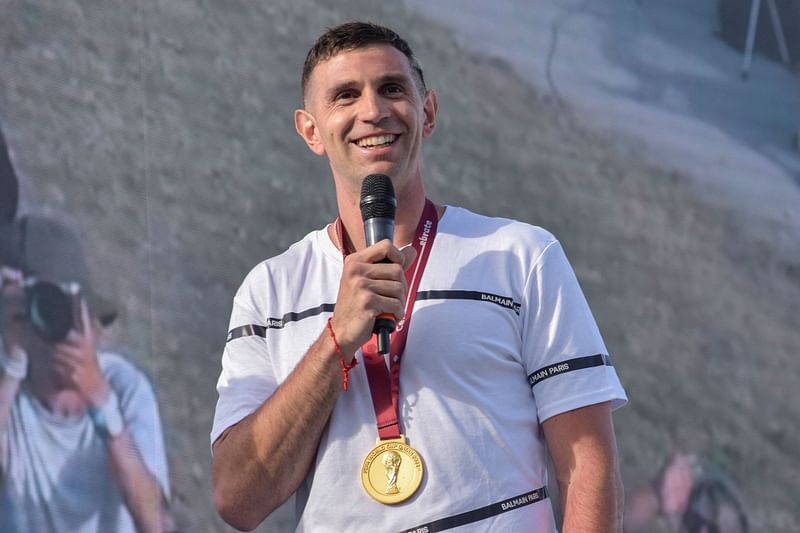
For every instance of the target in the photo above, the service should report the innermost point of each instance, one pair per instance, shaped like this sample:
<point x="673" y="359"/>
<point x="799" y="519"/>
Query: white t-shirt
<point x="54" y="471"/>
<point x="500" y="340"/>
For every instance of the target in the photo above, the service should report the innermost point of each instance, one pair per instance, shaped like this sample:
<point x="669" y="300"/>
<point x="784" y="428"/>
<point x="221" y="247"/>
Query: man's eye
<point x="394" y="89"/>
<point x="345" y="95"/>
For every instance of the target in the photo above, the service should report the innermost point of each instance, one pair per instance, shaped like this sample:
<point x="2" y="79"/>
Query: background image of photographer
<point x="58" y="282"/>
<point x="84" y="421"/>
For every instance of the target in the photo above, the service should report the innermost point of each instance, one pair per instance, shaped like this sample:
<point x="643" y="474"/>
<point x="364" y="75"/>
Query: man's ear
<point x="306" y="127"/>
<point x="430" y="107"/>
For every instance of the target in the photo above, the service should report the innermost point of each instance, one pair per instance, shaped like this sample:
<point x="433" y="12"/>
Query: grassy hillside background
<point x="163" y="132"/>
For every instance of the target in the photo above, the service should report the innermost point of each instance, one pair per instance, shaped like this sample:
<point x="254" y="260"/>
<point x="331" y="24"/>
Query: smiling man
<point x="495" y="360"/>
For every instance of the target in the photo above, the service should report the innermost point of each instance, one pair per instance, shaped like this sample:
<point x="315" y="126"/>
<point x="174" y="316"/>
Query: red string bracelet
<point x="345" y="368"/>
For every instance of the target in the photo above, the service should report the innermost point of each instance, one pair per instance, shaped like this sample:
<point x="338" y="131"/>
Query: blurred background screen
<point x="647" y="136"/>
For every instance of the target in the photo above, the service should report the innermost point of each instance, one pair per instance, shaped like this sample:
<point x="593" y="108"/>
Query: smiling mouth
<point x="376" y="141"/>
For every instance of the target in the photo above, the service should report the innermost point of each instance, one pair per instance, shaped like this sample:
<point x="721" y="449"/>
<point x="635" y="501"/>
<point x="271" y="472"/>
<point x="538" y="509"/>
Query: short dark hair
<point x="352" y="36"/>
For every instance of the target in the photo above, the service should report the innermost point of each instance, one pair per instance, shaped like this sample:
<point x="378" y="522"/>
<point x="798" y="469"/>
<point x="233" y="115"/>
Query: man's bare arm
<point x="140" y="489"/>
<point x="10" y="381"/>
<point x="13" y="359"/>
<point x="584" y="451"/>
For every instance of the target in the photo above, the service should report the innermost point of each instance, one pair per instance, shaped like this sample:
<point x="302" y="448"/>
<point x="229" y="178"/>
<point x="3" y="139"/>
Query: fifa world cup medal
<point x="392" y="471"/>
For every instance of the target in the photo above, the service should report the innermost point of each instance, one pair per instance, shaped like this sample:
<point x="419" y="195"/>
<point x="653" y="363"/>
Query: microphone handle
<point x="383" y="327"/>
<point x="378" y="229"/>
<point x="375" y="230"/>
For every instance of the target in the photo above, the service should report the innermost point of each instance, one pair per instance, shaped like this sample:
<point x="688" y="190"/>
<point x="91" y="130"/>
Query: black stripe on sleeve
<point x="246" y="331"/>
<point x="503" y="301"/>
<point x="277" y="323"/>
<point x="568" y="366"/>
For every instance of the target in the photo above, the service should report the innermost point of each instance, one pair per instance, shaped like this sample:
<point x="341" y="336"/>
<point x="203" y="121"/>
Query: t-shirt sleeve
<point x="566" y="360"/>
<point x="247" y="378"/>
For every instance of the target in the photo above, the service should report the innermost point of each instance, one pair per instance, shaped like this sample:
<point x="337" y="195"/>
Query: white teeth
<point x="377" y="140"/>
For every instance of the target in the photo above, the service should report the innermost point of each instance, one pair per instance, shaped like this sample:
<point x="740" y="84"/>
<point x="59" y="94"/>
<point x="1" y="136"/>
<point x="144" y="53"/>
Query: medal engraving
<point x="392" y="471"/>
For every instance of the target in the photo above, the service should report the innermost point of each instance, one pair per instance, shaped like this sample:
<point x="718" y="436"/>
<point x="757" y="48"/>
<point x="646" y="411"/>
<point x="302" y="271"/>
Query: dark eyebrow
<point x="400" y="79"/>
<point x="392" y="77"/>
<point x="336" y="89"/>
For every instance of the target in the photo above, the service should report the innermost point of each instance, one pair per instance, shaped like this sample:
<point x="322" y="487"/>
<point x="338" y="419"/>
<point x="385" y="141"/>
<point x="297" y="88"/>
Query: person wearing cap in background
<point x="81" y="446"/>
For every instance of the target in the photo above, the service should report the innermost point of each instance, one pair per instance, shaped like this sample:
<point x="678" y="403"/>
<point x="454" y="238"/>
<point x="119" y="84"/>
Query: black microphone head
<point x="377" y="197"/>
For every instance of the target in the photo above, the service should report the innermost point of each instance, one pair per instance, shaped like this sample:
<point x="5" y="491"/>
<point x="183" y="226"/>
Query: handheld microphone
<point x="378" y="205"/>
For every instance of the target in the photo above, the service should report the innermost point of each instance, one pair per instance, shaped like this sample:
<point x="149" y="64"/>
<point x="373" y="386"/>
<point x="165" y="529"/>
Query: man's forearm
<point x="261" y="461"/>
<point x="584" y="452"/>
<point x="620" y="490"/>
<point x="12" y="373"/>
<point x="9" y="386"/>
<point x="140" y="488"/>
<point x="592" y="501"/>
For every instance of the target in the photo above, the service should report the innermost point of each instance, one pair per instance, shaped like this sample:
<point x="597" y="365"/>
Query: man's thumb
<point x="409" y="254"/>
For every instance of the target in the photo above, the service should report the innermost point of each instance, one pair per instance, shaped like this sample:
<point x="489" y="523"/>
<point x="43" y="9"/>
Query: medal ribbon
<point x="385" y="387"/>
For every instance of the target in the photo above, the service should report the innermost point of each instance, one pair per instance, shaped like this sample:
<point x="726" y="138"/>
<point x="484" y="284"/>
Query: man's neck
<point x="410" y="203"/>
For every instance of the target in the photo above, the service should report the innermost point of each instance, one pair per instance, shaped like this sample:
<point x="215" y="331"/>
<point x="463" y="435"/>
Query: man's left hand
<point x="76" y="361"/>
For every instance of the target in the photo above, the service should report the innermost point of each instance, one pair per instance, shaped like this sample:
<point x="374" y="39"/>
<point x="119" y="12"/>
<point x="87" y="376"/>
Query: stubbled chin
<point x="380" y="167"/>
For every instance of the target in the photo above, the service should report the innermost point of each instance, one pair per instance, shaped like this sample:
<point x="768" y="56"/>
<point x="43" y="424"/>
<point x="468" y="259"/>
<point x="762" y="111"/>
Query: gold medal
<point x="392" y="471"/>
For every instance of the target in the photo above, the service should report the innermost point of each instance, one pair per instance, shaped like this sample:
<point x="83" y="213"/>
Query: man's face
<point x="365" y="112"/>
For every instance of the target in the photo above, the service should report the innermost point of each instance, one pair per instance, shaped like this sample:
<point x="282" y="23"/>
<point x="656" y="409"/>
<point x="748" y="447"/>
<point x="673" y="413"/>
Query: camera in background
<point x="53" y="308"/>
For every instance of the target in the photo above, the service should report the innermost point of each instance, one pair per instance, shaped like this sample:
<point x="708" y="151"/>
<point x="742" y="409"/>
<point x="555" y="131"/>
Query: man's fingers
<point x="377" y="304"/>
<point x="379" y="252"/>
<point x="385" y="297"/>
<point x="65" y="353"/>
<point x="65" y="367"/>
<point x="409" y="254"/>
<point x="86" y="322"/>
<point x="82" y="331"/>
<point x="72" y="340"/>
<point x="10" y="275"/>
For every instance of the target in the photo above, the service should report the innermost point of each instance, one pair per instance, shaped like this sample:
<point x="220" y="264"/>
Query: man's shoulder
<point x="111" y="362"/>
<point x="300" y="270"/>
<point x="123" y="375"/>
<point x="499" y="231"/>
<point x="296" y="254"/>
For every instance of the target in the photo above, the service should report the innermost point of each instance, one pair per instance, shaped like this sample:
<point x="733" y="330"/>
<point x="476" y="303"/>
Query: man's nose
<point x="373" y="107"/>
